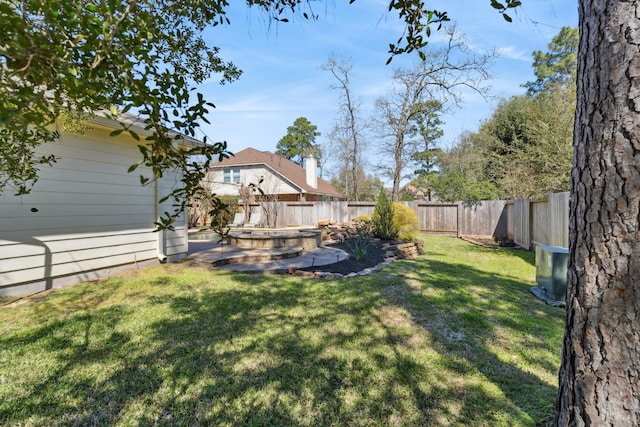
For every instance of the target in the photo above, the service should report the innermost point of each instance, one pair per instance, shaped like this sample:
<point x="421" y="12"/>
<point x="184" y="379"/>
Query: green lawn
<point x="450" y="338"/>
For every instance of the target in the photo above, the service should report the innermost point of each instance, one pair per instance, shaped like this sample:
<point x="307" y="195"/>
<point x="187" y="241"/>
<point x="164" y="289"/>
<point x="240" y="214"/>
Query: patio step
<point x="255" y="255"/>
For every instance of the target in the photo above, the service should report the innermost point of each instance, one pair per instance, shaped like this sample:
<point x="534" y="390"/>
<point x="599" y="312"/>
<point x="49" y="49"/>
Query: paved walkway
<point x="257" y="260"/>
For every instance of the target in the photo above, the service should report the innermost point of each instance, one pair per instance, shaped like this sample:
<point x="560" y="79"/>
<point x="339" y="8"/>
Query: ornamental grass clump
<point x="360" y="243"/>
<point x="405" y="220"/>
<point x="382" y="218"/>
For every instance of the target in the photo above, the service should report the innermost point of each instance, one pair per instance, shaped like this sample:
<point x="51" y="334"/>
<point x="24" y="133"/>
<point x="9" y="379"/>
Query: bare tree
<point x="247" y="198"/>
<point x="346" y="137"/>
<point x="269" y="201"/>
<point x="442" y="77"/>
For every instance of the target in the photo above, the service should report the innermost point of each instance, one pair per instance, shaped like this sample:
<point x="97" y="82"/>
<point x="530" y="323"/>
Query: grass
<point x="451" y="338"/>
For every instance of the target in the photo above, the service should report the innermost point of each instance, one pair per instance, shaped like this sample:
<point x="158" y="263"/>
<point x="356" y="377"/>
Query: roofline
<point x="138" y="126"/>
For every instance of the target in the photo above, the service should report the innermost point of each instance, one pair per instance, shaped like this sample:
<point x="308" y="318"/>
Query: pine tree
<point x="382" y="218"/>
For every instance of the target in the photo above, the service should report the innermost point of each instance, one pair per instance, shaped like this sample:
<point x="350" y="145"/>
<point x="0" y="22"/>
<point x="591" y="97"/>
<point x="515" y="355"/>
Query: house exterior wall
<point x="271" y="183"/>
<point x="85" y="217"/>
<point x="173" y="244"/>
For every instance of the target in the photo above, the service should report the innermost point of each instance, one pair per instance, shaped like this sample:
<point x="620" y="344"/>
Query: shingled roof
<point x="280" y="166"/>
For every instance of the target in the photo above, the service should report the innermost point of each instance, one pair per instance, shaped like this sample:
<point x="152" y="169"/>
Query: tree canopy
<point x="524" y="149"/>
<point x="406" y="116"/>
<point x="75" y="58"/>
<point x="300" y="142"/>
<point x="556" y="66"/>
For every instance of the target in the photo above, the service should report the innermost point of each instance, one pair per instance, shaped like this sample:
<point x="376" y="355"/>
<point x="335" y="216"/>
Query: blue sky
<point x="283" y="80"/>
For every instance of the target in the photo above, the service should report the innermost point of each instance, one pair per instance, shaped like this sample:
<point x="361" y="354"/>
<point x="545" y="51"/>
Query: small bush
<point x="405" y="220"/>
<point x="360" y="243"/>
<point x="221" y="210"/>
<point x="232" y="204"/>
<point x="362" y="218"/>
<point x="359" y="247"/>
<point x="363" y="226"/>
<point x="382" y="218"/>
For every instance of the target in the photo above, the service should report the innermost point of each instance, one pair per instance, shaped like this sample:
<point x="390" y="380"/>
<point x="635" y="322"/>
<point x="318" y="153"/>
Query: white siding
<point x="271" y="183"/>
<point x="173" y="243"/>
<point x="85" y="217"/>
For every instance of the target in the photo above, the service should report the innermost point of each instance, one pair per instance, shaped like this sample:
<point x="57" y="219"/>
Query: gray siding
<point x="92" y="218"/>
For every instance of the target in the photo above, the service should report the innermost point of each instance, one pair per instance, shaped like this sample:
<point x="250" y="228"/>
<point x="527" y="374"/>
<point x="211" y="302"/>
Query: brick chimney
<point x="311" y="166"/>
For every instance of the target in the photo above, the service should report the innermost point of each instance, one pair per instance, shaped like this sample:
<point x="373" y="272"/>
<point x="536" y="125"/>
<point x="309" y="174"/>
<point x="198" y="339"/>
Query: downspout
<point x="162" y="257"/>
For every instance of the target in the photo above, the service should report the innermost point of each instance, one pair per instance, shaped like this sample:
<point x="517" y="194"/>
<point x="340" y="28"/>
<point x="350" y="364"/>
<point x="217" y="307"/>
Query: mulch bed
<point x="375" y="255"/>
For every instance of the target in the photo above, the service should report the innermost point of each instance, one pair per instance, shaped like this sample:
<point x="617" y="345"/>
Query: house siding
<point x="279" y="176"/>
<point x="84" y="218"/>
<point x="271" y="183"/>
<point x="173" y="243"/>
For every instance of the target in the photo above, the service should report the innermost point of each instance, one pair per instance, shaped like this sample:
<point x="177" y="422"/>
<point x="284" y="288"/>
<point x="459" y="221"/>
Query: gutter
<point x="139" y="127"/>
<point x="160" y="249"/>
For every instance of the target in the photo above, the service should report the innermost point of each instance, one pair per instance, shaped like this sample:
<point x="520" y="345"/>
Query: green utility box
<point x="551" y="274"/>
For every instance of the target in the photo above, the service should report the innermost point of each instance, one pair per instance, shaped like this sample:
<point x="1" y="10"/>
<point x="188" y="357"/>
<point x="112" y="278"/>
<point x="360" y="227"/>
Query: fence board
<point x="540" y="220"/>
<point x="524" y="221"/>
<point x="487" y="218"/>
<point x="436" y="217"/>
<point x="509" y="206"/>
<point x="559" y="223"/>
<point x="356" y="209"/>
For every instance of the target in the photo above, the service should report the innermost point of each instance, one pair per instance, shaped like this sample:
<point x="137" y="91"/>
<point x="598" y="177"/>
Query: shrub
<point x="359" y="247"/>
<point x="405" y="220"/>
<point x="363" y="226"/>
<point x="232" y="204"/>
<point x="362" y="218"/>
<point x="382" y="218"/>
<point x="360" y="243"/>
<point x="222" y="211"/>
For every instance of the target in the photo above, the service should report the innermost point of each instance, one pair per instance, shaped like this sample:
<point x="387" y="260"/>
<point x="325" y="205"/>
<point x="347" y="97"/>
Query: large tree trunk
<point x="600" y="372"/>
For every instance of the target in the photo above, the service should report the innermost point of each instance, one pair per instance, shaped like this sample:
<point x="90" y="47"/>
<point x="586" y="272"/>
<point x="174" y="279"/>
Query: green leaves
<point x="114" y="56"/>
<point x="557" y="67"/>
<point x="299" y="142"/>
<point x="17" y="143"/>
<point x="382" y="217"/>
<point x="418" y="20"/>
<point x="143" y="57"/>
<point x="502" y="7"/>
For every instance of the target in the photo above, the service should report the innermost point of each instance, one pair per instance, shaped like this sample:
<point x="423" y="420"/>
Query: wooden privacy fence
<point x="477" y="219"/>
<point x="524" y="221"/>
<point x="543" y="221"/>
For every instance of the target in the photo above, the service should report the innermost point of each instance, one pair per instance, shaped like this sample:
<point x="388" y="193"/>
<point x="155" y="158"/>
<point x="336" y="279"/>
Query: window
<point x="231" y="176"/>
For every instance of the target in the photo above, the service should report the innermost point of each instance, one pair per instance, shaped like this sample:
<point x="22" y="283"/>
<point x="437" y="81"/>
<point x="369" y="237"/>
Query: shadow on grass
<point x="469" y="312"/>
<point x="273" y="350"/>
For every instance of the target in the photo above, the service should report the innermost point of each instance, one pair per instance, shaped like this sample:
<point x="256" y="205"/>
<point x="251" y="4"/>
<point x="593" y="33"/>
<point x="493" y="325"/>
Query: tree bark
<point x="600" y="372"/>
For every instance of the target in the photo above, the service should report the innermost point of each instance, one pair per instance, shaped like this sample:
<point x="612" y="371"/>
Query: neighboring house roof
<point x="412" y="190"/>
<point x="280" y="166"/>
